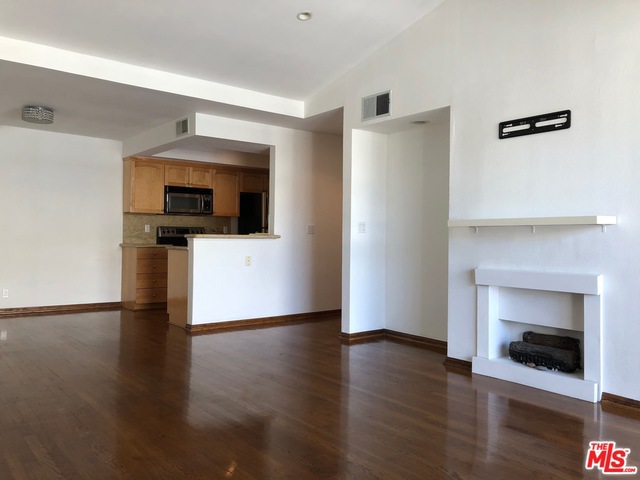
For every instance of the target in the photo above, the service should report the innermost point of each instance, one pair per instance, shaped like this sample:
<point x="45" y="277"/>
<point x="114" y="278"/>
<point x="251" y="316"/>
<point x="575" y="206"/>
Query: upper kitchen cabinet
<point x="143" y="186"/>
<point x="146" y="177"/>
<point x="188" y="176"/>
<point x="201" y="177"/>
<point x="226" y="192"/>
<point x="254" y="181"/>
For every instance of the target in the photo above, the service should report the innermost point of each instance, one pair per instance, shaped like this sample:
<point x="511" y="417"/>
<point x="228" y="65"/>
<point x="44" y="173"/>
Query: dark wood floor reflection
<point x="110" y="395"/>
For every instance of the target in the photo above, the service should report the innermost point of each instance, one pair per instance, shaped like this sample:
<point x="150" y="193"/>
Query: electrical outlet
<point x="362" y="227"/>
<point x="247" y="261"/>
<point x="147" y="229"/>
<point x="5" y="293"/>
<point x="3" y="335"/>
<point x="311" y="229"/>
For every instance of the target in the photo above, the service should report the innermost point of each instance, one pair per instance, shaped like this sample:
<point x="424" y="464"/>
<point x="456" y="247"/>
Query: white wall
<point x="297" y="273"/>
<point x="363" y="305"/>
<point x="498" y="60"/>
<point x="417" y="66"/>
<point x="365" y="153"/>
<point x="416" y="231"/>
<point x="585" y="61"/>
<point x="61" y="218"/>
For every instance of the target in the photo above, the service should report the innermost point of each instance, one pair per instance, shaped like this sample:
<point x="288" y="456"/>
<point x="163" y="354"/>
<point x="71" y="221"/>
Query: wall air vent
<point x="182" y="127"/>
<point x="378" y="105"/>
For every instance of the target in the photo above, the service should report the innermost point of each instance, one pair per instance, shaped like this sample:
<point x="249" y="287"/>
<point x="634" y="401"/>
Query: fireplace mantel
<point x="493" y="332"/>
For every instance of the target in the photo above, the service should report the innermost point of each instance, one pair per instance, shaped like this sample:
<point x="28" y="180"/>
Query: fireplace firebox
<point x="567" y="303"/>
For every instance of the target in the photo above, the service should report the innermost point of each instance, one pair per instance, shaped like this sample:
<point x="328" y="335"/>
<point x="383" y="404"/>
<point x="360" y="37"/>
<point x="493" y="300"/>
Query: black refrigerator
<point x="253" y="213"/>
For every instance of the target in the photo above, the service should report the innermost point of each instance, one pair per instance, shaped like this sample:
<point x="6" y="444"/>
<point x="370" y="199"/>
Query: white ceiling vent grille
<point x="182" y="127"/>
<point x="378" y="105"/>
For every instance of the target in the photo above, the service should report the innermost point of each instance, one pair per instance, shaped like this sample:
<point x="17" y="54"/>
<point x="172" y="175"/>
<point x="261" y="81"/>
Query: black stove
<point x="176" y="235"/>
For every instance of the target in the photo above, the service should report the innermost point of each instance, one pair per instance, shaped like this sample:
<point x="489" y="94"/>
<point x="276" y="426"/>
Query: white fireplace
<point x="510" y="302"/>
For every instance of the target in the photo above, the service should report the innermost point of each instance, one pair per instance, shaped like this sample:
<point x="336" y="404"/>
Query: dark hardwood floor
<point x="110" y="395"/>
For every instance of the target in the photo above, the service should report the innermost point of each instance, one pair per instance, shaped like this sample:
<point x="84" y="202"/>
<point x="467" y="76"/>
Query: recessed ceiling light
<point x="304" y="16"/>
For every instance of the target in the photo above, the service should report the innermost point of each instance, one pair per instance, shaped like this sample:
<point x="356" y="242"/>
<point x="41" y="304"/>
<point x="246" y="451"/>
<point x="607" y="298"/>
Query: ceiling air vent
<point x="378" y="105"/>
<point x="182" y="127"/>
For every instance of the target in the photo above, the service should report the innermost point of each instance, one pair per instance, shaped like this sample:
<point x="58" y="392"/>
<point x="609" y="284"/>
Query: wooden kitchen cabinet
<point x="144" y="277"/>
<point x="226" y="193"/>
<point x="178" y="287"/>
<point x="143" y="186"/>
<point x="201" y="177"/>
<point x="188" y="176"/>
<point x="255" y="182"/>
<point x="146" y="177"/>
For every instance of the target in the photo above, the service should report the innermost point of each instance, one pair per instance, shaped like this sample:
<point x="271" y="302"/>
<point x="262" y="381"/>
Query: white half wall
<point x="61" y="218"/>
<point x="224" y="289"/>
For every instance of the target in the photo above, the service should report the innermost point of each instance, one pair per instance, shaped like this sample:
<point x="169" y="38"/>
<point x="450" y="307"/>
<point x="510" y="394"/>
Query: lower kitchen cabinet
<point x="144" y="277"/>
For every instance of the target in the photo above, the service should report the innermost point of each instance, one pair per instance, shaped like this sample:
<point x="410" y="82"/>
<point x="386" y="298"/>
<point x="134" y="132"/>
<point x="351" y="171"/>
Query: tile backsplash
<point x="133" y="225"/>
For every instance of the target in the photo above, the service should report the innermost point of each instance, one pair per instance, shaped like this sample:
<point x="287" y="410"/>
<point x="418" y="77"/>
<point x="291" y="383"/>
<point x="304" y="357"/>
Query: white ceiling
<point x="249" y="44"/>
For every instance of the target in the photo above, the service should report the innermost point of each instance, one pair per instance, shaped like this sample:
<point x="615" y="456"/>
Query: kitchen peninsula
<point x="221" y="278"/>
<point x="146" y="184"/>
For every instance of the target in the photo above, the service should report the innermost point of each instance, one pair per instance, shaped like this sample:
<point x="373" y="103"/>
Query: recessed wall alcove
<point x="396" y="274"/>
<point x="511" y="301"/>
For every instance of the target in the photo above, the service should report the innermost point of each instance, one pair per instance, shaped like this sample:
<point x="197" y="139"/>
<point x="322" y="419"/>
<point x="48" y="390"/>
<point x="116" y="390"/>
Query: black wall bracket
<point x="546" y="122"/>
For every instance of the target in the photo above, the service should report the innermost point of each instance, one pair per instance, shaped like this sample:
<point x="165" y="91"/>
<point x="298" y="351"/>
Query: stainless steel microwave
<point x="188" y="201"/>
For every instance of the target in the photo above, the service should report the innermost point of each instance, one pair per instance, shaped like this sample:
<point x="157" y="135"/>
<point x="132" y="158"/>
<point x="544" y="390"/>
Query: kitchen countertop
<point x="251" y="236"/>
<point x="144" y="245"/>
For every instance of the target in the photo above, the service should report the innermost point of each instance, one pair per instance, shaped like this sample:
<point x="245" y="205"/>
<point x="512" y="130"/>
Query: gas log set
<point x="552" y="352"/>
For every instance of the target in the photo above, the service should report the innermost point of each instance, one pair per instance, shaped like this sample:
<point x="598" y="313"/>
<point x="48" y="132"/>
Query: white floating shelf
<point x="601" y="220"/>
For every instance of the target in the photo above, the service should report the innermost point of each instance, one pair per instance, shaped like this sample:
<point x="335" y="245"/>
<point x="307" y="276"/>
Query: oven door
<point x="182" y="203"/>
